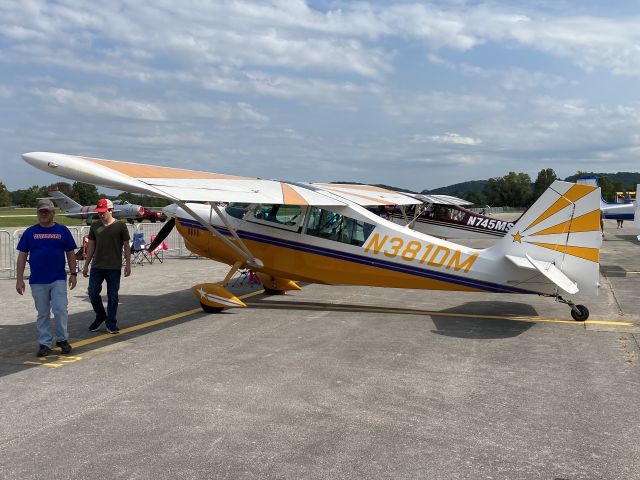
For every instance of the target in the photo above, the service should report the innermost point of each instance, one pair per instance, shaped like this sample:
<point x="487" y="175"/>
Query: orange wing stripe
<point x="592" y="254"/>
<point x="291" y="197"/>
<point x="153" y="171"/>
<point x="348" y="186"/>
<point x="589" y="222"/>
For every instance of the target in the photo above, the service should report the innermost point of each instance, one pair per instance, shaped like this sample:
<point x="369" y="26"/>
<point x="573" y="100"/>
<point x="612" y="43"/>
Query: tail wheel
<point x="581" y="314"/>
<point x="210" y="309"/>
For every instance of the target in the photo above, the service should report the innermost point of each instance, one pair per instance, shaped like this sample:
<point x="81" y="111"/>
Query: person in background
<point x="108" y="238"/>
<point x="45" y="245"/>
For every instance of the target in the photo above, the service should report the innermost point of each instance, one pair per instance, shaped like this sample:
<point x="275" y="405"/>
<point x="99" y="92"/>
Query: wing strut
<point x="241" y="249"/>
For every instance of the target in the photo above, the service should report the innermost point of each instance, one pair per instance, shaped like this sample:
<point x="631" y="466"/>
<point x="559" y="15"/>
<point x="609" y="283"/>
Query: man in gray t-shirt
<point x="108" y="238"/>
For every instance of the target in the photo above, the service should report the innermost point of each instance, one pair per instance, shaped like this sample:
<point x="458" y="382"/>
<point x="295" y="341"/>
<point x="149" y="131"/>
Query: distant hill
<point x="459" y="189"/>
<point x="629" y="180"/>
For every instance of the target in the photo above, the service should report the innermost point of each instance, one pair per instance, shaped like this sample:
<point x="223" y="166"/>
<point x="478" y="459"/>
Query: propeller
<point x="162" y="234"/>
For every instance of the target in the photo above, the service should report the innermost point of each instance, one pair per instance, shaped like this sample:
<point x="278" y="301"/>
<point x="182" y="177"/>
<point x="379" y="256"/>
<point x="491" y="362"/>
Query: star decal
<point x="202" y="293"/>
<point x="517" y="237"/>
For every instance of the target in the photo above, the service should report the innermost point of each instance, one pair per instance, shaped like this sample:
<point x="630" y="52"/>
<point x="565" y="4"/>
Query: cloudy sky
<point x="410" y="94"/>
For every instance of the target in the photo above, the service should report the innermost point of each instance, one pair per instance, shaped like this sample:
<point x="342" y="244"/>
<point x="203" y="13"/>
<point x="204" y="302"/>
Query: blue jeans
<point x="51" y="297"/>
<point x="96" y="277"/>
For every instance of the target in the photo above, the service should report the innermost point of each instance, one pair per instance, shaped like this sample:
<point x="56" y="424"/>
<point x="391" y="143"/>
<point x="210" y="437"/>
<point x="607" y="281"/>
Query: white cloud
<point x="89" y="103"/>
<point x="455" y="139"/>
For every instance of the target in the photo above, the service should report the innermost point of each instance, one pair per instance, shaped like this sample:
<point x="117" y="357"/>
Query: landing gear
<point x="210" y="309"/>
<point x="579" y="313"/>
<point x="272" y="291"/>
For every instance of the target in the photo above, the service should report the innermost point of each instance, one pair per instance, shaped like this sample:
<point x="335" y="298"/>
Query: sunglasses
<point x="44" y="212"/>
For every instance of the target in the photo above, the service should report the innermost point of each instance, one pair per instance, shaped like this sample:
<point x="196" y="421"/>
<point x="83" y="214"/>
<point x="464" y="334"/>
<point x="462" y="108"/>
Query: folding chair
<point x="245" y="274"/>
<point x="81" y="254"/>
<point x="139" y="251"/>
<point x="158" y="252"/>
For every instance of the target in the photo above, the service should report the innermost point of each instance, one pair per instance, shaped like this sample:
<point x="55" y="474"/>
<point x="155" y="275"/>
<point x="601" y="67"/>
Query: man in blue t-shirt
<point x="46" y="245"/>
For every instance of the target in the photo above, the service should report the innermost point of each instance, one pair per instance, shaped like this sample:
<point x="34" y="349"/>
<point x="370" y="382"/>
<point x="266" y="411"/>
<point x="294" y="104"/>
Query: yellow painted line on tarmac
<point x="152" y="323"/>
<point x="99" y="338"/>
<point x="404" y="311"/>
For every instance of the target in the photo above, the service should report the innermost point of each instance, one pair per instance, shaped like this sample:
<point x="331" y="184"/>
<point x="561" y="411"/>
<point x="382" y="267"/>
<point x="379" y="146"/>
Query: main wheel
<point x="210" y="309"/>
<point x="582" y="316"/>
<point x="273" y="291"/>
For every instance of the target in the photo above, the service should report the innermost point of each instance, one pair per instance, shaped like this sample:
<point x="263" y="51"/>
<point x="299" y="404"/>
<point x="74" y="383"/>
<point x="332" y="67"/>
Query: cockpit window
<point x="283" y="214"/>
<point x="333" y="226"/>
<point x="237" y="210"/>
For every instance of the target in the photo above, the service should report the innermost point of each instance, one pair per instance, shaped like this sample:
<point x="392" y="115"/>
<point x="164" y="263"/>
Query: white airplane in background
<point x="73" y="209"/>
<point x="612" y="211"/>
<point x="322" y="233"/>
<point x="445" y="216"/>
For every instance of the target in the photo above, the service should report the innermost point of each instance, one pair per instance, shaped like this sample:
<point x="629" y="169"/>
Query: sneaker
<point x="113" y="331"/>
<point x="64" y="346"/>
<point x="95" y="325"/>
<point x="43" y="351"/>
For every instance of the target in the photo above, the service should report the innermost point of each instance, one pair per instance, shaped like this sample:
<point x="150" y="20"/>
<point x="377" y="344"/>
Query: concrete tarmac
<point x="328" y="382"/>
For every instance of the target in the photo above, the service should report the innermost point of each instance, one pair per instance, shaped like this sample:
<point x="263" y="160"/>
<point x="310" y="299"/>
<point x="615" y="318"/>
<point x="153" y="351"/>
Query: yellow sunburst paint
<point x="591" y="254"/>
<point x="589" y="222"/>
<point x="576" y="192"/>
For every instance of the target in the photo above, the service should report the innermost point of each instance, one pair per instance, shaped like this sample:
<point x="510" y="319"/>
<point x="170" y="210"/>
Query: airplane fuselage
<point x="375" y="252"/>
<point x="454" y="221"/>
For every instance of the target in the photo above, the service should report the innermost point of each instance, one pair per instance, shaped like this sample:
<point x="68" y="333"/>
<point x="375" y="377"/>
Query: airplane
<point x="323" y="233"/>
<point x="445" y="216"/>
<point x="73" y="209"/>
<point x="611" y="211"/>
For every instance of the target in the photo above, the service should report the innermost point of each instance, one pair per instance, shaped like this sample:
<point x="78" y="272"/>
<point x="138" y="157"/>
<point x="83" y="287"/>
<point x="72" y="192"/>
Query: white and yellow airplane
<point x="322" y="233"/>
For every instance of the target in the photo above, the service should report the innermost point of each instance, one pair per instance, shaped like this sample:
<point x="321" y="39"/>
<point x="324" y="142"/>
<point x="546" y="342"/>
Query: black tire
<point x="582" y="316"/>
<point x="140" y="220"/>
<point x="210" y="309"/>
<point x="273" y="291"/>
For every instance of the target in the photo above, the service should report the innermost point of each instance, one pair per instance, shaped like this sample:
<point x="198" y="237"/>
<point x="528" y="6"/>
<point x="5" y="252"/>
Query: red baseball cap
<point x="104" y="204"/>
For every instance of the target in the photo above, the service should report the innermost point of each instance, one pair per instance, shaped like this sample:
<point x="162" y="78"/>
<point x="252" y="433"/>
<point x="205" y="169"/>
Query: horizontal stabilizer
<point x="547" y="269"/>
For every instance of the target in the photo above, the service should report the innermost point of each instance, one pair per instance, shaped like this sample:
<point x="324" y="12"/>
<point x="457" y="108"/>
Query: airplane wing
<point x="367" y="195"/>
<point x="442" y="199"/>
<point x="180" y="184"/>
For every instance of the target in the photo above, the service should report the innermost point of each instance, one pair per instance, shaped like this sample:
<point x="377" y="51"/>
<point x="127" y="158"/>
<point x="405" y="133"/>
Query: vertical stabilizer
<point x="63" y="202"/>
<point x="561" y="229"/>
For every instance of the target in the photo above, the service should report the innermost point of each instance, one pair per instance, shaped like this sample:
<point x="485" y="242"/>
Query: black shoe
<point x="43" y="351"/>
<point x="64" y="346"/>
<point x="113" y="331"/>
<point x="95" y="325"/>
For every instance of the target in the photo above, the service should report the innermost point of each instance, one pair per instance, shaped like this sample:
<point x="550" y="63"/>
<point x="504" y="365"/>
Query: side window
<point x="237" y="210"/>
<point x="336" y="227"/>
<point x="283" y="214"/>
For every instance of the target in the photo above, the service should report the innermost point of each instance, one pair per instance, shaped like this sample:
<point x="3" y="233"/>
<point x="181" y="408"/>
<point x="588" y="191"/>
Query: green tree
<point x="512" y="190"/>
<point x="609" y="188"/>
<point x="5" y="196"/>
<point x="477" y="198"/>
<point x="545" y="178"/>
<point x="29" y="197"/>
<point x="144" y="200"/>
<point x="86" y="193"/>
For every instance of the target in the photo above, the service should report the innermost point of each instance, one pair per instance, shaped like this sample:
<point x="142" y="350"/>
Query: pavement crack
<point x="613" y="293"/>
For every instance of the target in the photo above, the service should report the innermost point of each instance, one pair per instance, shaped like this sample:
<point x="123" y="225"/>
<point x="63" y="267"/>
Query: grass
<point x="25" y="217"/>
